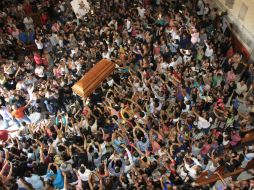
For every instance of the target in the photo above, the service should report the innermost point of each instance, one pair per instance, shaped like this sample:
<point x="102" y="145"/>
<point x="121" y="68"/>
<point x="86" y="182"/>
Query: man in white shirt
<point x="186" y="55"/>
<point x="34" y="180"/>
<point x="141" y="11"/>
<point x="192" y="170"/>
<point x="173" y="63"/>
<point x="201" y="7"/>
<point x="83" y="9"/>
<point x="241" y="88"/>
<point x="128" y="161"/>
<point x="208" y="50"/>
<point x="106" y="55"/>
<point x="249" y="155"/>
<point x="53" y="39"/>
<point x="113" y="23"/>
<point x="164" y="67"/>
<point x="128" y="25"/>
<point x="39" y="44"/>
<point x="179" y="59"/>
<point x="84" y="174"/>
<point x="39" y="71"/>
<point x="206" y="9"/>
<point x="204" y="122"/>
<point x="29" y="23"/>
<point x="195" y="37"/>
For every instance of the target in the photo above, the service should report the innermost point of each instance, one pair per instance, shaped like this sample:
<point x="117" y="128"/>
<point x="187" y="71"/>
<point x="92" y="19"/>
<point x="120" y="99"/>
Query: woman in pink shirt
<point x="134" y="32"/>
<point x="194" y="37"/>
<point x="57" y="72"/>
<point x="230" y="76"/>
<point x="155" y="137"/>
<point x="235" y="138"/>
<point x="156" y="49"/>
<point x="55" y="27"/>
<point x="15" y="32"/>
<point x="206" y="148"/>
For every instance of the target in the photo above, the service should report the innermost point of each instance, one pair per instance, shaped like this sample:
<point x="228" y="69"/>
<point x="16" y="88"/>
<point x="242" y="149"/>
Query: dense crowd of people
<point x="177" y="105"/>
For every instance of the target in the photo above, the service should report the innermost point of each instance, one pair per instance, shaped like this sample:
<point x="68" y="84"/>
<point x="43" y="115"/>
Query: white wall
<point x="243" y="29"/>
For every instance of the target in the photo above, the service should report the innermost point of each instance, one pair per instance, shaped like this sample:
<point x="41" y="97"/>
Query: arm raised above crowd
<point x="28" y="103"/>
<point x="99" y="147"/>
<point x="51" y="148"/>
<point x="10" y="172"/>
<point x="123" y="134"/>
<point x="130" y="100"/>
<point x="7" y="154"/>
<point x="90" y="180"/>
<point x="141" y="129"/>
<point x="215" y="111"/>
<point x="139" y="152"/>
<point x="41" y="155"/>
<point x="130" y="158"/>
<point x="6" y="162"/>
<point x="17" y="72"/>
<point x="194" y="112"/>
<point x="187" y="166"/>
<point x="156" y="132"/>
<point x="170" y="157"/>
<point x="76" y="114"/>
<point x="65" y="181"/>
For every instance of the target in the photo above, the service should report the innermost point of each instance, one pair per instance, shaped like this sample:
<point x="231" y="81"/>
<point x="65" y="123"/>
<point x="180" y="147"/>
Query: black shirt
<point x="10" y="84"/>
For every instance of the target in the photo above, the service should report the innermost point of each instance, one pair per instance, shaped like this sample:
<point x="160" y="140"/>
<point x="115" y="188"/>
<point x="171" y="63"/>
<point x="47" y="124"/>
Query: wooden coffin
<point x="213" y="178"/>
<point x="93" y="78"/>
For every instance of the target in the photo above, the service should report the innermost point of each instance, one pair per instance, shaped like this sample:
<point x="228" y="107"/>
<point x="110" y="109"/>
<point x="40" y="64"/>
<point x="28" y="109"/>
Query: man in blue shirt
<point x="142" y="142"/>
<point x="58" y="180"/>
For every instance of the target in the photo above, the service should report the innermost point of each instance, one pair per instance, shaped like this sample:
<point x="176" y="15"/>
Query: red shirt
<point x="37" y="58"/>
<point x="171" y="167"/>
<point x="156" y="50"/>
<point x="45" y="61"/>
<point x="27" y="9"/>
<point x="4" y="135"/>
<point x="44" y="19"/>
<point x="177" y="75"/>
<point x="230" y="53"/>
<point x="205" y="149"/>
<point x="19" y="113"/>
<point x="146" y="2"/>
